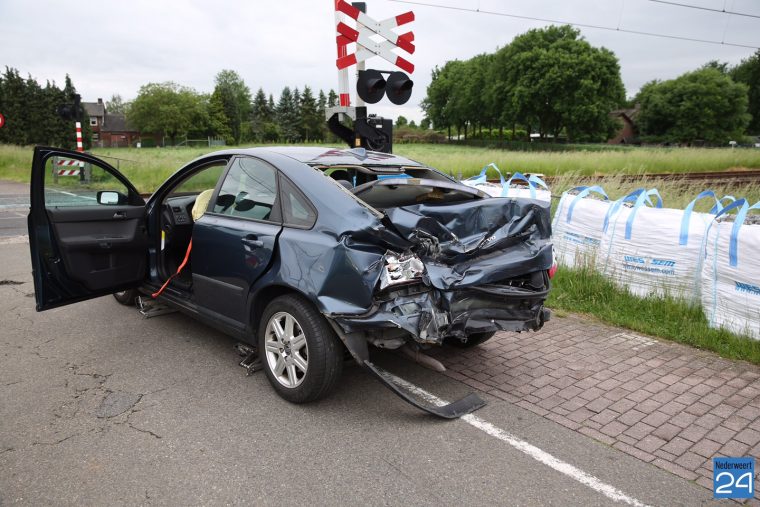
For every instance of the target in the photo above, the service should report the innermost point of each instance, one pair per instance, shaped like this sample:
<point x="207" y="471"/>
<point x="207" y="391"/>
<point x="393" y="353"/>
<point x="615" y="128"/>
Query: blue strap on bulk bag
<point x="730" y="198"/>
<point x="616" y="205"/>
<point x="733" y="247"/>
<point x="583" y="192"/>
<point x="739" y="203"/>
<point x="684" y="236"/>
<point x="640" y="200"/>
<point x="533" y="183"/>
<point x="538" y="181"/>
<point x="481" y="178"/>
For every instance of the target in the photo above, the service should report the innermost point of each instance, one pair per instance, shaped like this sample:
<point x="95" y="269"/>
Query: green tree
<point x="13" y="100"/>
<point x="311" y="122"/>
<point x="31" y="112"/>
<point x="748" y="72"/>
<point x="321" y="112"/>
<point x="425" y="123"/>
<point x="552" y="80"/>
<point x="401" y="121"/>
<point x="721" y="67"/>
<point x="287" y="116"/>
<point x="261" y="115"/>
<point x="441" y="92"/>
<point x="703" y="105"/>
<point x="166" y="108"/>
<point x="218" y="121"/>
<point x="116" y="105"/>
<point x="235" y="96"/>
<point x="479" y="110"/>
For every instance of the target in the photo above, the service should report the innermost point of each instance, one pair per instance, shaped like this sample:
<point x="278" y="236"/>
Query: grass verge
<point x="587" y="292"/>
<point x="147" y="168"/>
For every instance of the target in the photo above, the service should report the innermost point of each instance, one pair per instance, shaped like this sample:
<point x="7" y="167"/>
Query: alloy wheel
<point x="286" y="350"/>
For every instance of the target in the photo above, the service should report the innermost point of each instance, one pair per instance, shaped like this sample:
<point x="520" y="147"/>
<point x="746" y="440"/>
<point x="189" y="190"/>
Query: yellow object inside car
<point x="201" y="203"/>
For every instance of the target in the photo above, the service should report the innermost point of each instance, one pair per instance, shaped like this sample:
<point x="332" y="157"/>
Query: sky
<point x="115" y="47"/>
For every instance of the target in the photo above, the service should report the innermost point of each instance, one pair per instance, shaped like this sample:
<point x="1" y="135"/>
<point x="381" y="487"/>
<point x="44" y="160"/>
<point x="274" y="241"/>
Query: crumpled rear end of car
<point x="469" y="267"/>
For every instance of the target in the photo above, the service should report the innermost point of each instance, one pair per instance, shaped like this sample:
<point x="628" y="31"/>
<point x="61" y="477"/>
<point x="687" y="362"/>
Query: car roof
<point x="333" y="156"/>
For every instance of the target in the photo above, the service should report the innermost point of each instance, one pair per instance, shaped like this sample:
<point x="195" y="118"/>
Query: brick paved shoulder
<point x="662" y="402"/>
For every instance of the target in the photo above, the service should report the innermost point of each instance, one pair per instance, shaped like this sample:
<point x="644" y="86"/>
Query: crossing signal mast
<point x="369" y="38"/>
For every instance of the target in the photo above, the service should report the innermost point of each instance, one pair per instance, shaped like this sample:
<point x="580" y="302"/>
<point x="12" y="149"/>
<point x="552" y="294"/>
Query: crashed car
<point x="303" y="253"/>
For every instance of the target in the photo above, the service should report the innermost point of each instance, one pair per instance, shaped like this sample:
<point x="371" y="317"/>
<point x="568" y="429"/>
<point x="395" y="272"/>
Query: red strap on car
<point x="179" y="269"/>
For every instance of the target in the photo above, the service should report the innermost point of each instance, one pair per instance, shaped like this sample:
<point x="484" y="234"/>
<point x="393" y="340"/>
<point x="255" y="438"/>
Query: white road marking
<point x="13" y="240"/>
<point x="72" y="194"/>
<point x="526" y="448"/>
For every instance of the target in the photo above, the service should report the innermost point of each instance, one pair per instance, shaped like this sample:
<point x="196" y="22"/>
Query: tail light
<point x="552" y="271"/>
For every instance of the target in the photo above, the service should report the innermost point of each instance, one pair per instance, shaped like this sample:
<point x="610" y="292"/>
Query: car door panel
<point x="229" y="255"/>
<point x="82" y="247"/>
<point x="101" y="247"/>
<point x="234" y="242"/>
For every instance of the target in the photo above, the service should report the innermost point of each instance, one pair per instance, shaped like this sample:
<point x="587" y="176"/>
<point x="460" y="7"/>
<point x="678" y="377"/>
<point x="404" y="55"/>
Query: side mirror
<point x="111" y="198"/>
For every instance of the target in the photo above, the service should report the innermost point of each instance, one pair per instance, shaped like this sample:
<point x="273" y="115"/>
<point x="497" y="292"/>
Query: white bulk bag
<point x="656" y="250"/>
<point x="506" y="189"/>
<point x="731" y="273"/>
<point x="577" y="226"/>
<point x="532" y="191"/>
<point x="621" y="208"/>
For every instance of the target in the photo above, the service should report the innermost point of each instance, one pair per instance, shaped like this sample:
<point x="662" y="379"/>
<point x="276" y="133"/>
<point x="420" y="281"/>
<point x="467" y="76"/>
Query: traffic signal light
<point x="399" y="88"/>
<point x="71" y="111"/>
<point x="371" y="86"/>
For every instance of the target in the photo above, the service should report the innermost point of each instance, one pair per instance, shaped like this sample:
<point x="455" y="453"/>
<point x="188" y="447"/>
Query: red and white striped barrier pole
<point x="80" y="149"/>
<point x="80" y="146"/>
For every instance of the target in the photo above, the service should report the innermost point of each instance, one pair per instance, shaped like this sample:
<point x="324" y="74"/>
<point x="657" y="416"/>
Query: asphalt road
<point x="14" y="206"/>
<point x="98" y="405"/>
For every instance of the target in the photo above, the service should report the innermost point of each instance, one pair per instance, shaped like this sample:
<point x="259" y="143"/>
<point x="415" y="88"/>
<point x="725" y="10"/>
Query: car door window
<point x="297" y="211"/>
<point x="71" y="183"/>
<point x="249" y="191"/>
<point x="200" y="180"/>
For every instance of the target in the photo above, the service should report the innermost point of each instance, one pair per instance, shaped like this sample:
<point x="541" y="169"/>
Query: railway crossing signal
<point x="369" y="38"/>
<point x="2" y="120"/>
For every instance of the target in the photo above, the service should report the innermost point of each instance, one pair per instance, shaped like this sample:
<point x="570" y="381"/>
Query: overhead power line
<point x="581" y="25"/>
<point x="689" y="6"/>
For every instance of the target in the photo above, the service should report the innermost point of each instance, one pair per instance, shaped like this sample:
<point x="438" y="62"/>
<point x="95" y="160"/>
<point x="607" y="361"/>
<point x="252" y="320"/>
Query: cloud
<point x="110" y="47"/>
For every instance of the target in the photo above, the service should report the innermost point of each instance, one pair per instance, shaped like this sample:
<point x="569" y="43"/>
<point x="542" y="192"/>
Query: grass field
<point x="148" y="167"/>
<point x="470" y="160"/>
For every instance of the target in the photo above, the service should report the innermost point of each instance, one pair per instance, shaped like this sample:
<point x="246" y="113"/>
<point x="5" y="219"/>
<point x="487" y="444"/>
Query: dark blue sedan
<point x="303" y="253"/>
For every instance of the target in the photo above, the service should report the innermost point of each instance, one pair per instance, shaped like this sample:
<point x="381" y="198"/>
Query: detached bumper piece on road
<point x="466" y="405"/>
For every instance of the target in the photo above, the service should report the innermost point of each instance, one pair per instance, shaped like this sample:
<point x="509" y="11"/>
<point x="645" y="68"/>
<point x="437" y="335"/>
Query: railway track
<point x="744" y="177"/>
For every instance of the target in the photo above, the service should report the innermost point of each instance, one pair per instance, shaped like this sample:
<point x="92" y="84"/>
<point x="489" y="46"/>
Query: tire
<point x="473" y="340"/>
<point x="126" y="297"/>
<point x="312" y="356"/>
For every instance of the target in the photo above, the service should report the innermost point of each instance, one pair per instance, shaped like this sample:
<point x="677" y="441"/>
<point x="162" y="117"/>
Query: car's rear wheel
<point x="127" y="297"/>
<point x="302" y="357"/>
<point x="472" y="340"/>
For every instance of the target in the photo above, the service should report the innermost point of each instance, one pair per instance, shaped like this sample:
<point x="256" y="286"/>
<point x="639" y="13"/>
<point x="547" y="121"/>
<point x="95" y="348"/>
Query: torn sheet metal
<point x="476" y="242"/>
